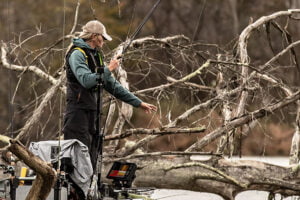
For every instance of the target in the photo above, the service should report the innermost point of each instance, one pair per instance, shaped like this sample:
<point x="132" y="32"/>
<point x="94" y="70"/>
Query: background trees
<point x="216" y="70"/>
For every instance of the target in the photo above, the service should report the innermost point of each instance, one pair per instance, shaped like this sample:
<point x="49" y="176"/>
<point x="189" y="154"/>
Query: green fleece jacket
<point x="88" y="79"/>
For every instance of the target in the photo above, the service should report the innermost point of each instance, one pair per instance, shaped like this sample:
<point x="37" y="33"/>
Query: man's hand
<point x="114" y="63"/>
<point x="148" y="108"/>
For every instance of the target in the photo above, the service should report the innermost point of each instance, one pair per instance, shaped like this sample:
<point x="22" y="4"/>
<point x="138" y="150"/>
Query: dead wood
<point x="46" y="176"/>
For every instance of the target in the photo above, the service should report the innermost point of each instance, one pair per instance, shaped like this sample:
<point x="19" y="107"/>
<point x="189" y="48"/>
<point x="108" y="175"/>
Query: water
<point x="165" y="194"/>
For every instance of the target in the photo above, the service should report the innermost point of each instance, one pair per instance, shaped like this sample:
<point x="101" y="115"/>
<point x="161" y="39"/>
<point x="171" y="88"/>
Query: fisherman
<point x="82" y="59"/>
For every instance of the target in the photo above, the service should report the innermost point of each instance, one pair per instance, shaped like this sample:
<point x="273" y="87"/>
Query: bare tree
<point x="197" y="90"/>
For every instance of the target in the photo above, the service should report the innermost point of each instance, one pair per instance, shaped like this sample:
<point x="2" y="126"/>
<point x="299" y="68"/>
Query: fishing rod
<point x="96" y="184"/>
<point x="128" y="42"/>
<point x="139" y="28"/>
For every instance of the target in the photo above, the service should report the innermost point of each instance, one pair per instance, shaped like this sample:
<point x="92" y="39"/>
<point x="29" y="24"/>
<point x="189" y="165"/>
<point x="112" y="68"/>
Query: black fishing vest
<point x="77" y="95"/>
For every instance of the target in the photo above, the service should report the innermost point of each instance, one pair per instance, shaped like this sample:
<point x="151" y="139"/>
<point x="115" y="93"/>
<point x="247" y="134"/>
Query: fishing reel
<point x="8" y="169"/>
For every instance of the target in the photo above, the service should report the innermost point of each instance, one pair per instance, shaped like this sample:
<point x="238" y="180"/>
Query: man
<point x="81" y="62"/>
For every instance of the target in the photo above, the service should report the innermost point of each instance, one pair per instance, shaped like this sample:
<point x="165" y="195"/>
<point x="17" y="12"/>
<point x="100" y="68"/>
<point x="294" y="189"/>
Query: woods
<point x="219" y="76"/>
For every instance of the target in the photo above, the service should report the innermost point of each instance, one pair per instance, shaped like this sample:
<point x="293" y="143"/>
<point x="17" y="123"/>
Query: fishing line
<point x="131" y="20"/>
<point x="10" y="92"/>
<point x="61" y="95"/>
<point x="131" y="38"/>
<point x="92" y="9"/>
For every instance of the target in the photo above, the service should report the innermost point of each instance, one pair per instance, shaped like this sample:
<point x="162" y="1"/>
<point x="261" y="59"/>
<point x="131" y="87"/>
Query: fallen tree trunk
<point x="46" y="176"/>
<point x="217" y="175"/>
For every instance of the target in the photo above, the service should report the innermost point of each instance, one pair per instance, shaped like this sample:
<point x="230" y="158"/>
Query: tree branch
<point x="39" y="110"/>
<point x="46" y="176"/>
<point x="40" y="73"/>
<point x="167" y="131"/>
<point x="240" y="121"/>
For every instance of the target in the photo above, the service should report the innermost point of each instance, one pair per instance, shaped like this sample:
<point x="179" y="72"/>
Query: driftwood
<point x="172" y="170"/>
<point x="46" y="176"/>
<point x="217" y="175"/>
<point x="168" y="131"/>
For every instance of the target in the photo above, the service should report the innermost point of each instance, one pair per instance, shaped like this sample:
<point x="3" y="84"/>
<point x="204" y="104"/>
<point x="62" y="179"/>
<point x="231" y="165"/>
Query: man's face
<point x="98" y="41"/>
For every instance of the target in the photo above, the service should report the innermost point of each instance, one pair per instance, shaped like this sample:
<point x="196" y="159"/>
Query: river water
<point x="164" y="194"/>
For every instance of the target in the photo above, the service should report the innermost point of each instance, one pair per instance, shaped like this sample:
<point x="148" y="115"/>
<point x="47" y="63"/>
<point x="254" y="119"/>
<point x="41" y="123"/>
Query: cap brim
<point x="106" y="37"/>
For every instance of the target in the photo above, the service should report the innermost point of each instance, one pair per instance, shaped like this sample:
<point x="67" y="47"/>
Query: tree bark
<point x="217" y="175"/>
<point x="46" y="176"/>
<point x="295" y="146"/>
